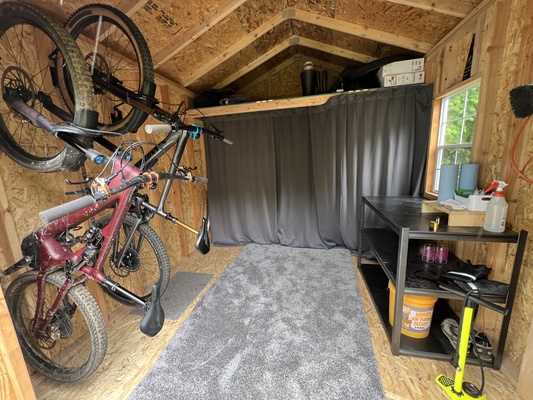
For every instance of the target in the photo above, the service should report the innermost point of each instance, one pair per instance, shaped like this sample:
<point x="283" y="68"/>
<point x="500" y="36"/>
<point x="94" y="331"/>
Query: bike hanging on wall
<point x="58" y="323"/>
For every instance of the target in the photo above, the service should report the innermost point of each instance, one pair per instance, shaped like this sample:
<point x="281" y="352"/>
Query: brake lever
<point x="86" y="180"/>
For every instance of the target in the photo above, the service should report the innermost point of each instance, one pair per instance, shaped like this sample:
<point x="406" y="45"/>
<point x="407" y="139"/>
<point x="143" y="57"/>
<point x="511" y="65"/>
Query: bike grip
<point x="227" y="141"/>
<point x="199" y="179"/>
<point x="95" y="156"/>
<point x="64" y="209"/>
<point x="159" y="128"/>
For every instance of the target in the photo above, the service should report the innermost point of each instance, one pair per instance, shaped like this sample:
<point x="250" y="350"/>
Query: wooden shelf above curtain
<point x="266" y="105"/>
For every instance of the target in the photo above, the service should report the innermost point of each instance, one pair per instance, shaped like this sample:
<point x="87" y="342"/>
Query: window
<point x="456" y="129"/>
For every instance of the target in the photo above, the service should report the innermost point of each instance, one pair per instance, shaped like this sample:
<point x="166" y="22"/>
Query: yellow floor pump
<point x="457" y="388"/>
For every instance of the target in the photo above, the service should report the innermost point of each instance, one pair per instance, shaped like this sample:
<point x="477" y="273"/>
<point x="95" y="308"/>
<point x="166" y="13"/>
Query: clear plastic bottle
<point x="496" y="211"/>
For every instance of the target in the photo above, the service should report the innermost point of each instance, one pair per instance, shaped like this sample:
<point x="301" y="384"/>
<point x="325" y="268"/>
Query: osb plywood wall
<point x="502" y="61"/>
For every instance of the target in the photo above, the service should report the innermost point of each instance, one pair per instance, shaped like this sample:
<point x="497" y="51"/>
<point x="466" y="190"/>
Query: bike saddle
<point x="155" y="316"/>
<point x="202" y="243"/>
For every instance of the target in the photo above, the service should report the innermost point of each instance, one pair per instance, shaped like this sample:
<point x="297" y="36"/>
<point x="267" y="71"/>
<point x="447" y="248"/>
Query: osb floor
<point x="131" y="354"/>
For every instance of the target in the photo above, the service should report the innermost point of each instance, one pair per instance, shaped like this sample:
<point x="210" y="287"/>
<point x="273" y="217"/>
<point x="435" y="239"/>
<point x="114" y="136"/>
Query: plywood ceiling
<point x="213" y="44"/>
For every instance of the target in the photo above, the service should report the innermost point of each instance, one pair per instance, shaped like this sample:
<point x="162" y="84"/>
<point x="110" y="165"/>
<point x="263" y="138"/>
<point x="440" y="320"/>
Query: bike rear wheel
<point x="118" y="57"/>
<point x="33" y="48"/>
<point x="145" y="261"/>
<point x="74" y="344"/>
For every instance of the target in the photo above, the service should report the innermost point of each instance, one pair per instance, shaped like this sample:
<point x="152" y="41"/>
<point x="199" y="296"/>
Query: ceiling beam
<point x="234" y="49"/>
<point x="337" y="51"/>
<point x="294" y="41"/>
<point x="257" y="62"/>
<point x="362" y="31"/>
<point x="130" y="7"/>
<point x="188" y="37"/>
<point x="297" y="58"/>
<point x="455" y="8"/>
<point x="304" y="16"/>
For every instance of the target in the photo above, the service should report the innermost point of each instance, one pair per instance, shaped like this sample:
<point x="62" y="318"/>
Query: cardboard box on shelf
<point x="401" y="67"/>
<point x="402" y="79"/>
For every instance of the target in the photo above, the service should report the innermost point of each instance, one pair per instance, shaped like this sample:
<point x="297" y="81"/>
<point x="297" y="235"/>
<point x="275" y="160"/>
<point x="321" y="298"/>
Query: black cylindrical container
<point x="309" y="79"/>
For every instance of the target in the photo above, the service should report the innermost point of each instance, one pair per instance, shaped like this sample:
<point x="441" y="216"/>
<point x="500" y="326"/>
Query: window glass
<point x="456" y="130"/>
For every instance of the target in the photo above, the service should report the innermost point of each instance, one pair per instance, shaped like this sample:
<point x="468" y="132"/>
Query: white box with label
<point x="401" y="67"/>
<point x="402" y="79"/>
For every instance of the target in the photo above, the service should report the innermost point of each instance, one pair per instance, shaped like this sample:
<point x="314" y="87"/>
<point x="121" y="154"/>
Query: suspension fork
<point x="39" y="323"/>
<point x="143" y="216"/>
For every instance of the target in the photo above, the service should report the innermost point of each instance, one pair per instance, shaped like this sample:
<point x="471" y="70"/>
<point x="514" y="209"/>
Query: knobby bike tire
<point x="32" y="48"/>
<point x="131" y="68"/>
<point x="146" y="262"/>
<point x="75" y="342"/>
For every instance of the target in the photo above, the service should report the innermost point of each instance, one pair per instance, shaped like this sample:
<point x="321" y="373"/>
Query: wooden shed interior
<point x="253" y="51"/>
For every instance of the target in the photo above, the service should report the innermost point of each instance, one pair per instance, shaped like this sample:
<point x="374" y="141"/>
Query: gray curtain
<point x="295" y="177"/>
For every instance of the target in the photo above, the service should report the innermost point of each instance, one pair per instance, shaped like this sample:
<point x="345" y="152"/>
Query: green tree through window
<point x="456" y="130"/>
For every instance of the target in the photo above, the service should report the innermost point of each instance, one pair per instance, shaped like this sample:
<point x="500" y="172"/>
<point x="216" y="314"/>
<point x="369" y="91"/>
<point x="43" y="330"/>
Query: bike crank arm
<point x="154" y="317"/>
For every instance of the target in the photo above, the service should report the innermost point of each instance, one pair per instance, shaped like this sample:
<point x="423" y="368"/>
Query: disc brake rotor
<point x="17" y="85"/>
<point x="131" y="262"/>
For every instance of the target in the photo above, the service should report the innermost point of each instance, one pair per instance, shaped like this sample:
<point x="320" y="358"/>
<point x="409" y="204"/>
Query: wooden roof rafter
<point x="455" y="8"/>
<point x="294" y="40"/>
<point x="194" y="33"/>
<point x="130" y="7"/>
<point x="307" y="17"/>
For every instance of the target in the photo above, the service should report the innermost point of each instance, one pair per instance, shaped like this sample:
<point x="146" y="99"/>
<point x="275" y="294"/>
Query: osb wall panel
<point x="210" y="44"/>
<point x="322" y="7"/>
<point x="28" y="193"/>
<point x="273" y="37"/>
<point x="242" y="21"/>
<point x="504" y="54"/>
<point x="254" y="13"/>
<point x="286" y="77"/>
<point x="247" y="55"/>
<point x="226" y="68"/>
<point x="396" y="18"/>
<point x="163" y="21"/>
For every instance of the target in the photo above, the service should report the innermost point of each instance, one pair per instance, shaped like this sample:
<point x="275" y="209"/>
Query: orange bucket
<point x="416" y="314"/>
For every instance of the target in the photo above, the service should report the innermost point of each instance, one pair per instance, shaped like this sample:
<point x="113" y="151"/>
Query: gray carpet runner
<point x="280" y="323"/>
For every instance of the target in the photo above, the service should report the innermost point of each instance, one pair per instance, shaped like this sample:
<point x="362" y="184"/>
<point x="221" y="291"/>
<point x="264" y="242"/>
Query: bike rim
<point x="30" y="79"/>
<point x="96" y="36"/>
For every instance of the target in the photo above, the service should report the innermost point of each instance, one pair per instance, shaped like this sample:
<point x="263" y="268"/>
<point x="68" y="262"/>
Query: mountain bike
<point x="23" y="85"/>
<point x="59" y="326"/>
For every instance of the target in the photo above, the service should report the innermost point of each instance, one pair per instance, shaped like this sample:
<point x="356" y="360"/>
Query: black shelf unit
<point x="395" y="245"/>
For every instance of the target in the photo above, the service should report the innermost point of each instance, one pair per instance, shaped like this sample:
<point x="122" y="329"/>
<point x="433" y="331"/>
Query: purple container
<point x="428" y="253"/>
<point x="441" y="254"/>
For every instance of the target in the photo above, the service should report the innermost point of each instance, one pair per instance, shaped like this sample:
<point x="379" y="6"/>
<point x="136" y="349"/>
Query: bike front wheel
<point x="118" y="59"/>
<point x="144" y="262"/>
<point x="33" y="50"/>
<point x="74" y="344"/>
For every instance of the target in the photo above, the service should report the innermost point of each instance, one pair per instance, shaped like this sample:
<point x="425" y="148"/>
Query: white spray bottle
<point x="496" y="210"/>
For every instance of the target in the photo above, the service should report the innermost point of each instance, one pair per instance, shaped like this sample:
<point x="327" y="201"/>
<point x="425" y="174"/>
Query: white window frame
<point x="439" y="150"/>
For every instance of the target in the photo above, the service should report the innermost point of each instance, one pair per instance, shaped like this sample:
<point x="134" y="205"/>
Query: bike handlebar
<point x="70" y="207"/>
<point x="194" y="131"/>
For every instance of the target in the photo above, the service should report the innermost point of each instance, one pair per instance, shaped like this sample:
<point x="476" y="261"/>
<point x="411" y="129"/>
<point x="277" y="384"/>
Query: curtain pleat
<point x="295" y="177"/>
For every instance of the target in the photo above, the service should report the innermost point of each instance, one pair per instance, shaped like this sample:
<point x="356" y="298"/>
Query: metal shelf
<point x="395" y="245"/>
<point x="436" y="346"/>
